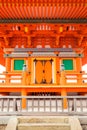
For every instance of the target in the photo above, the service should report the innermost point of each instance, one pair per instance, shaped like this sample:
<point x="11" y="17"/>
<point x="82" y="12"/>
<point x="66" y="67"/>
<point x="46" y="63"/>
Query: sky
<point x="2" y="68"/>
<point x="84" y="68"/>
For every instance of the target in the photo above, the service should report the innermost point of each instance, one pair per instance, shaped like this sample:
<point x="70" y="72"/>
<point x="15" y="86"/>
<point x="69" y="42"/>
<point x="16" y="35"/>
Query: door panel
<point x="43" y="71"/>
<point x="38" y="72"/>
<point x="48" y="72"/>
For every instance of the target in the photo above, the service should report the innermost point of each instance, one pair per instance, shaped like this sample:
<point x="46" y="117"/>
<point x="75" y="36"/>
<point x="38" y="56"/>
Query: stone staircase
<point x="44" y="123"/>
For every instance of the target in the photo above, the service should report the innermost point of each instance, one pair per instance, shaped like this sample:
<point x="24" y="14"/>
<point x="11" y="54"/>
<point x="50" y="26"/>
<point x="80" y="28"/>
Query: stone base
<point x="53" y="126"/>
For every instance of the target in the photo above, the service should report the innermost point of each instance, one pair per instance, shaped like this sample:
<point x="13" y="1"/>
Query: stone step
<point x="44" y="123"/>
<point x="52" y="119"/>
<point x="43" y="126"/>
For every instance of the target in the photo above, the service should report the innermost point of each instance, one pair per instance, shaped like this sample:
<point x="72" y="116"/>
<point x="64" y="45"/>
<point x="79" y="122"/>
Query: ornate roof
<point x="43" y="9"/>
<point x="31" y="22"/>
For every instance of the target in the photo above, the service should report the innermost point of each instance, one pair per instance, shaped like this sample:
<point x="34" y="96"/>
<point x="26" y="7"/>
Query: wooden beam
<point x="42" y="2"/>
<point x="29" y="40"/>
<point x="6" y="41"/>
<point x="52" y="21"/>
<point x="57" y="40"/>
<point x="80" y="40"/>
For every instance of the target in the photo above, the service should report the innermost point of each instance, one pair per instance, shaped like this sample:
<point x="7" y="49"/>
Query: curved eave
<point x="43" y="9"/>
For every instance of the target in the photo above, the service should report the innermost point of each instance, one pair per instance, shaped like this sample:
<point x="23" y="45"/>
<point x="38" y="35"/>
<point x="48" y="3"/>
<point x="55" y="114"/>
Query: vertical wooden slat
<point x="50" y="104"/>
<point x="20" y="107"/>
<point x="14" y="104"/>
<point x="27" y="104"/>
<point x="56" y="105"/>
<point x="38" y="104"/>
<point x="8" y="104"/>
<point x="75" y="105"/>
<point x="68" y="104"/>
<point x="62" y="104"/>
<point x="44" y="105"/>
<point x="2" y="104"/>
<point x="32" y="104"/>
<point x="81" y="107"/>
<point x="86" y="103"/>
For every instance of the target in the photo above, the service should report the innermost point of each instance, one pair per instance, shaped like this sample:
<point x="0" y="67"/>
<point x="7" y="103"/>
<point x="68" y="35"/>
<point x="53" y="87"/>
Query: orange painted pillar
<point x="8" y="69"/>
<point x="7" y="79"/>
<point x="63" y="92"/>
<point x="24" y="93"/>
<point x="78" y="64"/>
<point x="62" y="78"/>
<point x="65" y="103"/>
<point x="79" y="79"/>
<point x="24" y="78"/>
<point x="57" y="70"/>
<point x="8" y="65"/>
<point x="79" y="68"/>
<point x="24" y="75"/>
<point x="29" y="72"/>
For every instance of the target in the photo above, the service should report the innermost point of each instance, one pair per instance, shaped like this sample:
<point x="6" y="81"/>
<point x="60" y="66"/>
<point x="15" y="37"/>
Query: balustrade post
<point x="65" y="102"/>
<point x="79" y="79"/>
<point x="24" y="100"/>
<point x="62" y="75"/>
<point x="8" y="69"/>
<point x="24" y="75"/>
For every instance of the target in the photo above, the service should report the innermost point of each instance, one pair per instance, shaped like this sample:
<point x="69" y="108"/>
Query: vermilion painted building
<point x="43" y="45"/>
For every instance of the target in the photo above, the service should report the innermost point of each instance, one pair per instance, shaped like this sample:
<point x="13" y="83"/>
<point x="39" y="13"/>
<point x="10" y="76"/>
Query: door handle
<point x="43" y="71"/>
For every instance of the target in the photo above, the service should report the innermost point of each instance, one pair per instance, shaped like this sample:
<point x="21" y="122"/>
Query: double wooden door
<point x="43" y="71"/>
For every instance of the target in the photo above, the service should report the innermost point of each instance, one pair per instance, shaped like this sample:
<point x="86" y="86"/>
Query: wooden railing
<point x="11" y="78"/>
<point x="79" y="78"/>
<point x="10" y="105"/>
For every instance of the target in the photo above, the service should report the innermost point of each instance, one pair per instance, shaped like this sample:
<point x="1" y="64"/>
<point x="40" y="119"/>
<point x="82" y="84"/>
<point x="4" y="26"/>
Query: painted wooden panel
<point x="48" y="72"/>
<point x="68" y="64"/>
<point x="38" y="72"/>
<point x="18" y="64"/>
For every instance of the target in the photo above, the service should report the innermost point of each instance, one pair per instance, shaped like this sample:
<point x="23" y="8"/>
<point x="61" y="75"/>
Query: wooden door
<point x="43" y="71"/>
<point x="48" y="71"/>
<point x="38" y="72"/>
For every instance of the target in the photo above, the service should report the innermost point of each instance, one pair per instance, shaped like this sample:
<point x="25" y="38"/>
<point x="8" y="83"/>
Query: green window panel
<point x="18" y="64"/>
<point x="68" y="64"/>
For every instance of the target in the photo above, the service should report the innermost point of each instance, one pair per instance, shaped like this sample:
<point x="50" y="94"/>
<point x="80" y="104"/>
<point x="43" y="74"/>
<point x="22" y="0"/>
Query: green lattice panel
<point x="18" y="64"/>
<point x="68" y="64"/>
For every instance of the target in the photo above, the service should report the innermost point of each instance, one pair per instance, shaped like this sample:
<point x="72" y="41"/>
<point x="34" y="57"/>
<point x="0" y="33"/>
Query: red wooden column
<point x="8" y="68"/>
<point x="65" y="103"/>
<point x="79" y="69"/>
<point x="24" y="93"/>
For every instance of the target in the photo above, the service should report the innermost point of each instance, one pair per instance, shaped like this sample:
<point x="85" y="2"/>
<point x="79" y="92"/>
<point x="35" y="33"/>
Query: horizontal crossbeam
<point x="43" y="21"/>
